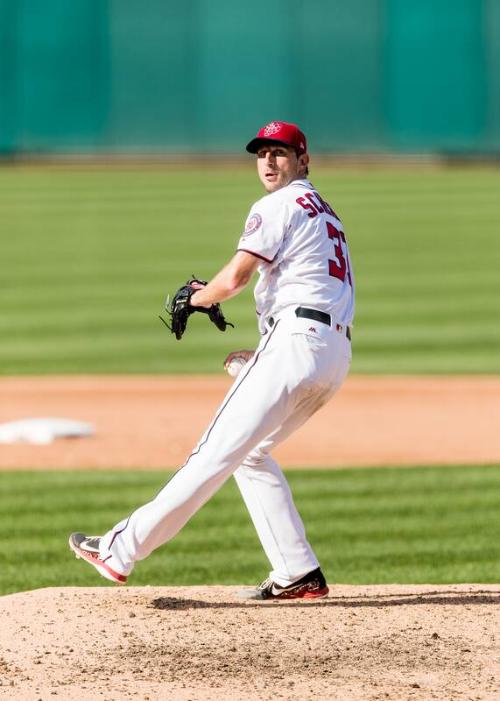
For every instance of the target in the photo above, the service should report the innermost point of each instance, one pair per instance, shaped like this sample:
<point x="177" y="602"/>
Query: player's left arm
<point x="228" y="282"/>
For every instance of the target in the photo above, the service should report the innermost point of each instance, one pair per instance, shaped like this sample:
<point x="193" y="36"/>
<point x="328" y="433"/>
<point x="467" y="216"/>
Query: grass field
<point x="88" y="256"/>
<point x="418" y="525"/>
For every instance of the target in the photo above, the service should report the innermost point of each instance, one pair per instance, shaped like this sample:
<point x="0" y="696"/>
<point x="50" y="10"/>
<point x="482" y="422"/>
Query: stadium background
<point x="198" y="76"/>
<point x="392" y="95"/>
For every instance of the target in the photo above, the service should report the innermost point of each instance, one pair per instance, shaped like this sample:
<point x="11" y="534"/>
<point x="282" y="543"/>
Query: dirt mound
<point x="141" y="421"/>
<point x="393" y="642"/>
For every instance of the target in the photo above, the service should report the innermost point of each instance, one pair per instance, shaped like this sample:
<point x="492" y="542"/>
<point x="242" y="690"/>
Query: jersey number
<point x="339" y="266"/>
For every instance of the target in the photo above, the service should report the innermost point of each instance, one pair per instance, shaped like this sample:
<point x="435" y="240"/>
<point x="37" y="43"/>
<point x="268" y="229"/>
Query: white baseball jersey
<point x="305" y="258"/>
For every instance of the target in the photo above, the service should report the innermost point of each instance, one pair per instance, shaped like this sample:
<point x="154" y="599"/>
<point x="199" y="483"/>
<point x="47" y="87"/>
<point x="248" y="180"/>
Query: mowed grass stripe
<point x="95" y="251"/>
<point x="417" y="525"/>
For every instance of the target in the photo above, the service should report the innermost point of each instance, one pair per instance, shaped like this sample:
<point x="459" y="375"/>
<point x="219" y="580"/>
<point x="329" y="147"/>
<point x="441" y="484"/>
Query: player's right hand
<point x="245" y="354"/>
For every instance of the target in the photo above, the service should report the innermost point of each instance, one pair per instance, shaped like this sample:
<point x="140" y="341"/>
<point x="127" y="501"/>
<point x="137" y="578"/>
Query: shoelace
<point x="93" y="542"/>
<point x="266" y="584"/>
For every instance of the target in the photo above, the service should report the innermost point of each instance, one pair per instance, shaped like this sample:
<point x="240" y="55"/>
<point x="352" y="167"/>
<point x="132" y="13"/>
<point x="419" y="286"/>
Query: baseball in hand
<point x="235" y="366"/>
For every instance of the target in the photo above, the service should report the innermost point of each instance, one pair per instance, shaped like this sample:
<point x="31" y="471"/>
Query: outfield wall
<point x="195" y="76"/>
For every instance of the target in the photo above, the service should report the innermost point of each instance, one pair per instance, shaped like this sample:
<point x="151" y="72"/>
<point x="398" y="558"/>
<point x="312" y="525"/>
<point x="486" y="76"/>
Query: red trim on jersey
<point x="257" y="255"/>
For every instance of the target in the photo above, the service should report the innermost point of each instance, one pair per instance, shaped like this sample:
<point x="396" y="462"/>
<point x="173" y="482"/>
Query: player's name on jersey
<point x="314" y="205"/>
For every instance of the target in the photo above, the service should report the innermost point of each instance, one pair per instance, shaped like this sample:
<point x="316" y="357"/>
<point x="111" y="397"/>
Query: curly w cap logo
<point x="252" y="224"/>
<point x="272" y="128"/>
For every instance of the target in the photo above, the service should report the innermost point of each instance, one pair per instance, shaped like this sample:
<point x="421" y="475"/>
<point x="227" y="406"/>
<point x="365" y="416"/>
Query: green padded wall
<point x="202" y="75"/>
<point x="436" y="74"/>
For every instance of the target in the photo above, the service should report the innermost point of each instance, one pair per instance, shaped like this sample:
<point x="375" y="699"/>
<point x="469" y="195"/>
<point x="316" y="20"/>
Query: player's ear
<point x="303" y="162"/>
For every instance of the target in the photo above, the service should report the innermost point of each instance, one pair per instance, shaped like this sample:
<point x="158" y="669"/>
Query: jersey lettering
<point x="326" y="206"/>
<point x="314" y="202"/>
<point x="307" y="206"/>
<point x="338" y="267"/>
<point x="314" y="205"/>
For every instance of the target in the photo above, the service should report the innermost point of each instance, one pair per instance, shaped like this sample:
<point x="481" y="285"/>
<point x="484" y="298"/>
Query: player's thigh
<point x="278" y="390"/>
<point x="291" y="422"/>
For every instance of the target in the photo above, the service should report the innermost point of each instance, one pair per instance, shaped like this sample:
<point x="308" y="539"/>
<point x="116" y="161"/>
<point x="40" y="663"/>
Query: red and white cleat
<point x="312" y="586"/>
<point x="87" y="548"/>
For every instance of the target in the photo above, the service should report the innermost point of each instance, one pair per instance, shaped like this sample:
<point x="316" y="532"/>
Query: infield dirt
<point x="155" y="421"/>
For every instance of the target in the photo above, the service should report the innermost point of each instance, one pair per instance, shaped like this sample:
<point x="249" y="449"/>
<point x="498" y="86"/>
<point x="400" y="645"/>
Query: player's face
<point x="277" y="166"/>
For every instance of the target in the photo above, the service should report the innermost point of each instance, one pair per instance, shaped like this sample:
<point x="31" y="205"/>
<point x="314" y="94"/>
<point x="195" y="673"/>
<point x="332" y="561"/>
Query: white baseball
<point x="235" y="366"/>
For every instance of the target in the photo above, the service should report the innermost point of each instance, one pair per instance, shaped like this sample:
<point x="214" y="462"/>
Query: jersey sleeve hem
<point x="257" y="255"/>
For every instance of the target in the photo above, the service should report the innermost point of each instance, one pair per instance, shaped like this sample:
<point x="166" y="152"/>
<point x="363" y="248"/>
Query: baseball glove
<point x="180" y="309"/>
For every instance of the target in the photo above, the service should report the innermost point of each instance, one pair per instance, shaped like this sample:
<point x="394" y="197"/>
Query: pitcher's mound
<point x="392" y="642"/>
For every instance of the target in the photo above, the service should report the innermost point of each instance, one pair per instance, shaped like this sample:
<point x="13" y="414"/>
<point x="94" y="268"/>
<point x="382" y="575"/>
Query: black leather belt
<point x="315" y="315"/>
<point x="306" y="313"/>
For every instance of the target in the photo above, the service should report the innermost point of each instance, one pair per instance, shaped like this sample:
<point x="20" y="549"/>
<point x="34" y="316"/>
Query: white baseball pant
<point x="298" y="365"/>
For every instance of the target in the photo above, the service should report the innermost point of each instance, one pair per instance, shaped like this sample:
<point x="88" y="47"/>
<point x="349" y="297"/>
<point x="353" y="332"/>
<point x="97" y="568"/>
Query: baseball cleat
<point x="87" y="548"/>
<point x="311" y="586"/>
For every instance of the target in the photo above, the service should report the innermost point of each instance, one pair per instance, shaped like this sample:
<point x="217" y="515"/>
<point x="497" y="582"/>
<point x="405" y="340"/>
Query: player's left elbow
<point x="238" y="281"/>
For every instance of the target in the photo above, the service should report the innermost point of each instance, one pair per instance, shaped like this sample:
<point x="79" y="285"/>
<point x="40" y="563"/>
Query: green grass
<point x="88" y="256"/>
<point x="418" y="525"/>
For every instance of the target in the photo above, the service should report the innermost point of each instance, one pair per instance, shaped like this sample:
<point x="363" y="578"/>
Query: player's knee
<point x="255" y="458"/>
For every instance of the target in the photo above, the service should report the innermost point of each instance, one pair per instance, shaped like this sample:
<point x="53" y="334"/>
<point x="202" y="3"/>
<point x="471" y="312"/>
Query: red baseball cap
<point x="282" y="133"/>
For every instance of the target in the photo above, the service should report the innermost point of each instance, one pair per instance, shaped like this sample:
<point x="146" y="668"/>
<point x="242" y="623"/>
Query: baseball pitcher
<point x="305" y="303"/>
